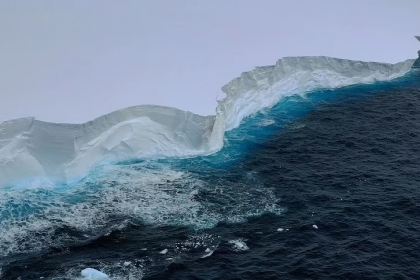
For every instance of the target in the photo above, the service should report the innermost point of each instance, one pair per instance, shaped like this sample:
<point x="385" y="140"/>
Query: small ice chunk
<point x="164" y="251"/>
<point x="93" y="274"/>
<point x="239" y="245"/>
<point x="280" y="229"/>
<point x="127" y="263"/>
<point x="209" y="253"/>
<point x="315" y="226"/>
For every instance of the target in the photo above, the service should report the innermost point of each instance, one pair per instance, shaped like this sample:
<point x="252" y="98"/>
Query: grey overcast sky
<point x="72" y="61"/>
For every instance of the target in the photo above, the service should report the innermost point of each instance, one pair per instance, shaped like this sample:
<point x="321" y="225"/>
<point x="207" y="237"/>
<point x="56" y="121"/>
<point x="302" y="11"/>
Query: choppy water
<point x="323" y="187"/>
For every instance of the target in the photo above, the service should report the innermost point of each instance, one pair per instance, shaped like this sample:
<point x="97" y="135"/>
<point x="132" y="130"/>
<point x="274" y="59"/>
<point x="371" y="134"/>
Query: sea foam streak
<point x="66" y="152"/>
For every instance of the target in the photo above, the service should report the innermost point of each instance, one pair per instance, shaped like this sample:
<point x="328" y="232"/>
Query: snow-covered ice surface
<point x="62" y="153"/>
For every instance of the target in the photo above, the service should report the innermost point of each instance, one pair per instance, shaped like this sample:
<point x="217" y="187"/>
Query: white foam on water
<point x="266" y="122"/>
<point x="147" y="193"/>
<point x="297" y="125"/>
<point x="196" y="243"/>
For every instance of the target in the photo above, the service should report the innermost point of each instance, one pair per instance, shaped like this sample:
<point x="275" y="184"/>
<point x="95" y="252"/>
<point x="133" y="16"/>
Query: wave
<point x="62" y="153"/>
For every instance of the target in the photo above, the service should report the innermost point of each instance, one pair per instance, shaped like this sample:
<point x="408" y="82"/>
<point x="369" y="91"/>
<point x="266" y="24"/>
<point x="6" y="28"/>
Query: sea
<point x="321" y="186"/>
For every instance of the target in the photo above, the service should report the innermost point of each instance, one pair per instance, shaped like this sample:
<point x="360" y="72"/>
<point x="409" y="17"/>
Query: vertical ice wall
<point x="64" y="152"/>
<point x="263" y="87"/>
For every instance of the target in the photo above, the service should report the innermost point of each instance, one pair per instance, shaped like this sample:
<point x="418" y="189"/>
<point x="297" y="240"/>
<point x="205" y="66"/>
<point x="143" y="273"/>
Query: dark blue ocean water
<point x="322" y="187"/>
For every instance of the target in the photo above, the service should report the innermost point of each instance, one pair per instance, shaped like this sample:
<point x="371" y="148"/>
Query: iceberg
<point x="62" y="153"/>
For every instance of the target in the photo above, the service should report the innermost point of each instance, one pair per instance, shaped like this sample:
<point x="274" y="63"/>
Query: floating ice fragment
<point x="127" y="263"/>
<point x="280" y="229"/>
<point x="239" y="245"/>
<point x="164" y="251"/>
<point x="90" y="273"/>
<point x="315" y="226"/>
<point x="209" y="253"/>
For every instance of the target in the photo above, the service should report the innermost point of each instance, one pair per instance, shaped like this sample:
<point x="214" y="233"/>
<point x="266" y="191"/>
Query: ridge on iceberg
<point x="31" y="149"/>
<point x="264" y="86"/>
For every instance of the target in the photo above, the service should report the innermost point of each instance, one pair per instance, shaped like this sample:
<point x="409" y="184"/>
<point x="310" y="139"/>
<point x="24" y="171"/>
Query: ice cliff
<point x="31" y="149"/>
<point x="264" y="86"/>
<point x="65" y="152"/>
